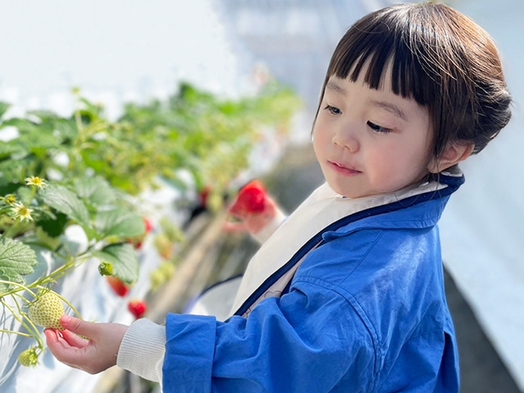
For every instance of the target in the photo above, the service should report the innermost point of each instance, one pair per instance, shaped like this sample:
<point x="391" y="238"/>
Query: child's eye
<point x="333" y="110"/>
<point x="378" y="128"/>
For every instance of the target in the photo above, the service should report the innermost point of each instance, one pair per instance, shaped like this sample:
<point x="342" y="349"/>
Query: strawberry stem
<point x="25" y="322"/>
<point x="20" y="287"/>
<point x="16" y="333"/>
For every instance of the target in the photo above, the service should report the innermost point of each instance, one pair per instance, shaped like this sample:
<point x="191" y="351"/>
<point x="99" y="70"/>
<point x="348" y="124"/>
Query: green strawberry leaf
<point x="8" y="149"/>
<point x="25" y="195"/>
<point x="54" y="226"/>
<point x="124" y="260"/>
<point x="14" y="169"/>
<point x="16" y="260"/>
<point x="65" y="201"/>
<point x="120" y="222"/>
<point x="39" y="141"/>
<point x="96" y="190"/>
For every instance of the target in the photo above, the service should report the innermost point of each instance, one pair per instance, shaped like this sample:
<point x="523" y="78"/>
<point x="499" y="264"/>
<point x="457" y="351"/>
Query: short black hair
<point x="438" y="57"/>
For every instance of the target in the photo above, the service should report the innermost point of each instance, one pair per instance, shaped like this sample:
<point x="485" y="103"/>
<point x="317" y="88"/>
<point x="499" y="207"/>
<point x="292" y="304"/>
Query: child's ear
<point x="452" y="155"/>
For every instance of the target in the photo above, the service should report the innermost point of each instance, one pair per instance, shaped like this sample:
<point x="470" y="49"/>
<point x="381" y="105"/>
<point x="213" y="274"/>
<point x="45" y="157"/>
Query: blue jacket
<point x="365" y="312"/>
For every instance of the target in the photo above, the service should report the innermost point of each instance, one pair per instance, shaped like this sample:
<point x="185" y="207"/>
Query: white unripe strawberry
<point x="47" y="310"/>
<point x="28" y="358"/>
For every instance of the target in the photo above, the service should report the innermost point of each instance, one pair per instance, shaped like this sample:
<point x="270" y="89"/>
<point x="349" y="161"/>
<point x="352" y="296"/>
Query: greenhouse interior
<point x="128" y="129"/>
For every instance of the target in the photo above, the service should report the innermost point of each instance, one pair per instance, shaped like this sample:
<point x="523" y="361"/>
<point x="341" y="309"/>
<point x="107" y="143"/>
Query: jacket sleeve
<point x="310" y="339"/>
<point x="142" y="350"/>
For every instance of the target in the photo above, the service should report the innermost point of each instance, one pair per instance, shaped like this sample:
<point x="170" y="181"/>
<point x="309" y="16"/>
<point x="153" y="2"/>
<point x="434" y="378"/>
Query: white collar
<point x="322" y="208"/>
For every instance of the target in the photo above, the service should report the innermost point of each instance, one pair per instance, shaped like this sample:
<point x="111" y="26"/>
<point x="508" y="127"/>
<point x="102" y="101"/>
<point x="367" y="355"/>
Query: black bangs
<point x="439" y="58"/>
<point x="378" y="48"/>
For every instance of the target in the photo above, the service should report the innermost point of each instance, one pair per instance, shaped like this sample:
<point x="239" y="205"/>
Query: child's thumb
<point x="78" y="326"/>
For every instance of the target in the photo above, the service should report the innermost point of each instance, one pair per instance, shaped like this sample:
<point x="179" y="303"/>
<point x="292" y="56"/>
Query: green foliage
<point x="123" y="259"/>
<point x="64" y="201"/>
<point x="39" y="215"/>
<point x="100" y="163"/>
<point x="16" y="261"/>
<point x="85" y="170"/>
<point x="194" y="130"/>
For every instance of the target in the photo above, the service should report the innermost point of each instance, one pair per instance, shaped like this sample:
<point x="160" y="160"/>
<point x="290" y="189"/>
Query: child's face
<point x="370" y="141"/>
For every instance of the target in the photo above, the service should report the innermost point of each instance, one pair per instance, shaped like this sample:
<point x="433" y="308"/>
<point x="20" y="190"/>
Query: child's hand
<point x="94" y="355"/>
<point x="254" y="222"/>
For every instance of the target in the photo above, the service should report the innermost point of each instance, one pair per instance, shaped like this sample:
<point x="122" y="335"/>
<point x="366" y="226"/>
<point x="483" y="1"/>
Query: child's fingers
<point x="58" y="346"/>
<point x="74" y="340"/>
<point x="78" y="326"/>
<point x="237" y="215"/>
<point x="69" y="354"/>
<point x="93" y="355"/>
<point x="52" y="337"/>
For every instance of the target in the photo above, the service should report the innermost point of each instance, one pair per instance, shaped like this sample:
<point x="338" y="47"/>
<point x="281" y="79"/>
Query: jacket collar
<point x="325" y="215"/>
<point x="427" y="202"/>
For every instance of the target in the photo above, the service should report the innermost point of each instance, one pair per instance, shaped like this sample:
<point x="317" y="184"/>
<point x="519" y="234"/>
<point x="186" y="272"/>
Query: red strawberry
<point x="250" y="200"/>
<point x="118" y="286"/>
<point x="137" y="307"/>
<point x="149" y="225"/>
<point x="137" y="241"/>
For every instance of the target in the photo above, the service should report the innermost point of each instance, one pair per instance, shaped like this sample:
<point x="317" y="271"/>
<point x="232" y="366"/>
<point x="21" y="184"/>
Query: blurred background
<point x="131" y="51"/>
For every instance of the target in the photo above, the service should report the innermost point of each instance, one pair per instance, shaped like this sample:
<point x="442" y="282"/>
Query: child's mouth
<point x="343" y="170"/>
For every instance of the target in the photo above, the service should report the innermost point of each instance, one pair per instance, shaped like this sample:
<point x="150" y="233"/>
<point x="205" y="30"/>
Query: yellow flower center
<point x="23" y="212"/>
<point x="35" y="181"/>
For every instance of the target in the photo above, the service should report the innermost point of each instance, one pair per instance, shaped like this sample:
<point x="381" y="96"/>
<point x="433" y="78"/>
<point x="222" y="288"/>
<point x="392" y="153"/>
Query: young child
<point x="347" y="294"/>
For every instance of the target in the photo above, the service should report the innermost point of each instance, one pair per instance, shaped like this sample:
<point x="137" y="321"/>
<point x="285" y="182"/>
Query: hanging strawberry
<point x="254" y="210"/>
<point x="149" y="225"/>
<point x="137" y="307"/>
<point x="250" y="200"/>
<point x="47" y="310"/>
<point x="119" y="287"/>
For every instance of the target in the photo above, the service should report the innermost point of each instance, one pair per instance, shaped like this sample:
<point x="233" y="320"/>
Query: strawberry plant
<point x="194" y="130"/>
<point x="87" y="173"/>
<point x="34" y="219"/>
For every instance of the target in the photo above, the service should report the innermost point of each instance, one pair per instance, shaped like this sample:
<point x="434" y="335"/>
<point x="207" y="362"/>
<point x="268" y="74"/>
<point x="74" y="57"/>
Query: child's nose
<point x="346" y="139"/>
